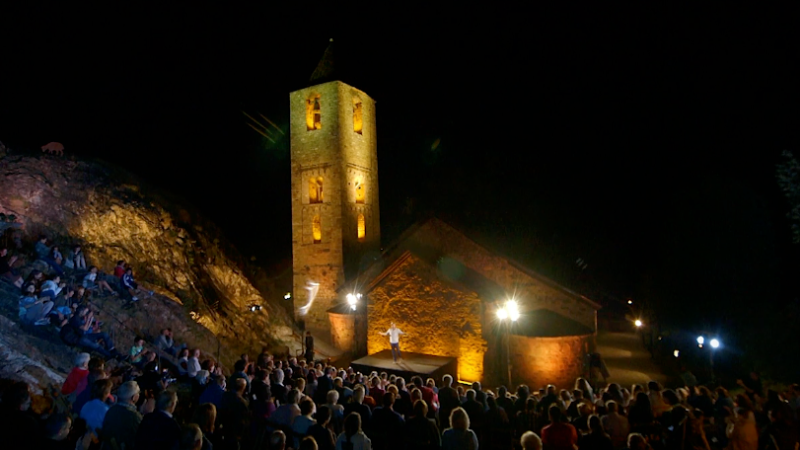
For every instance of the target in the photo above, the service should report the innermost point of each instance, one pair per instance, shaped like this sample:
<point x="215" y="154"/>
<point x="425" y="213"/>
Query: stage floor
<point x="411" y="364"/>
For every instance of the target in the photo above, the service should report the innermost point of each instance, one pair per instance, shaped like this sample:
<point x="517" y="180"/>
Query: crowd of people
<point x="167" y="396"/>
<point x="286" y="403"/>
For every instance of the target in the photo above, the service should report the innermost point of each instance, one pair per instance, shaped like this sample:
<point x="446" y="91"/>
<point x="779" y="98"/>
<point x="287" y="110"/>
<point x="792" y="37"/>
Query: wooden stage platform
<point x="411" y="364"/>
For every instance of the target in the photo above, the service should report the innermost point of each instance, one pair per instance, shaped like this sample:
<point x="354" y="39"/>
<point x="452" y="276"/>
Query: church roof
<point x="459" y="259"/>
<point x="325" y="70"/>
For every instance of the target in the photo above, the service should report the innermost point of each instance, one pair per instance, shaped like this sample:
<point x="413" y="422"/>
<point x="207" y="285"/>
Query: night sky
<point x="643" y="142"/>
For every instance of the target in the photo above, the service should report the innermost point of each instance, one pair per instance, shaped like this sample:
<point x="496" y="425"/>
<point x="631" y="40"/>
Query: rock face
<point x="173" y="250"/>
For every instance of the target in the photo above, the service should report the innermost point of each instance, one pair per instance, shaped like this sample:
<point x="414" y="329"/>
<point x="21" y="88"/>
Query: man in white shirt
<point x="394" y="340"/>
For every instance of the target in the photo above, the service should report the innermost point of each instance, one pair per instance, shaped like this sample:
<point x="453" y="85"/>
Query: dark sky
<point x="642" y="141"/>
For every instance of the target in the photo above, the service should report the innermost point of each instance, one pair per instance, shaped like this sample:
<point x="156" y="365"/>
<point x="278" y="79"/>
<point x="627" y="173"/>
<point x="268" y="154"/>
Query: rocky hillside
<point x="174" y="250"/>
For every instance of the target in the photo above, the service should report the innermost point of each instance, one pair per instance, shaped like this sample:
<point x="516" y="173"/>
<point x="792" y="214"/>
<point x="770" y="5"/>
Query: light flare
<point x="312" y="288"/>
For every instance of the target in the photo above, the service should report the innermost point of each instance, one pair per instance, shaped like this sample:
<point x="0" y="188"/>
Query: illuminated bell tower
<point x="335" y="215"/>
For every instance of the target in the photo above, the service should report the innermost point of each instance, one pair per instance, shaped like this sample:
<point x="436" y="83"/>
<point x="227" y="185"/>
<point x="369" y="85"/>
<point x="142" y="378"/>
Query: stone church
<point x="438" y="285"/>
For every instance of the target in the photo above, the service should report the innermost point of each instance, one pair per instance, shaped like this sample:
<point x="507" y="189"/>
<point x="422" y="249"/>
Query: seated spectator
<point x="130" y="285"/>
<point x="597" y="439"/>
<point x="304" y="421"/>
<point x="308" y="443"/>
<point x="86" y="395"/>
<point x="387" y="425"/>
<point x="36" y="277"/>
<point x="352" y="437"/>
<point x="159" y="430"/>
<point x="285" y="414"/>
<point x="277" y="440"/>
<point x="419" y="432"/>
<point x="336" y="408"/>
<point x="214" y="391"/>
<point x="77" y="374"/>
<point x="91" y="282"/>
<point x="34" y="310"/>
<point x="7" y="271"/>
<point x="193" y="365"/>
<point x="234" y="414"/>
<point x="81" y="323"/>
<point x="459" y="436"/>
<point x="166" y="343"/>
<point x="75" y="259"/>
<point x="119" y="269"/>
<point x="137" y="351"/>
<point x="52" y="287"/>
<point x="616" y="425"/>
<point x="320" y="430"/>
<point x="94" y="411"/>
<point x="191" y="437"/>
<point x="43" y="253"/>
<point x="239" y="372"/>
<point x="122" y="420"/>
<point x="56" y="255"/>
<point x="530" y="441"/>
<point x="558" y="435"/>
<point x="183" y="364"/>
<point x="205" y="416"/>
<point x="56" y="431"/>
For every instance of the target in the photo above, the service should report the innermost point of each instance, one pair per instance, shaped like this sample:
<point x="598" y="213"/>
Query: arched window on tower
<point x="313" y="113"/>
<point x="362" y="228"/>
<point x="316" y="229"/>
<point x="361" y="191"/>
<point x="315" y="194"/>
<point x="357" y="123"/>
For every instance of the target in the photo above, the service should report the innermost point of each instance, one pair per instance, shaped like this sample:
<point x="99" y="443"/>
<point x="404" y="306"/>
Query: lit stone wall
<point x="538" y="361"/>
<point x="341" y="157"/>
<point x="436" y="317"/>
<point x="532" y="293"/>
<point x="343" y="329"/>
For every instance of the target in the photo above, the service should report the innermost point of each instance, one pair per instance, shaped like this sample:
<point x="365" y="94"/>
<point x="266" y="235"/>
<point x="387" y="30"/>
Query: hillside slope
<point x="172" y="249"/>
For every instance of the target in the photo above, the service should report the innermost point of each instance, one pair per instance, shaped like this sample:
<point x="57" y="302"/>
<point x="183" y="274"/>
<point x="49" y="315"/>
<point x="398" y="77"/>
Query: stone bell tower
<point x="335" y="215"/>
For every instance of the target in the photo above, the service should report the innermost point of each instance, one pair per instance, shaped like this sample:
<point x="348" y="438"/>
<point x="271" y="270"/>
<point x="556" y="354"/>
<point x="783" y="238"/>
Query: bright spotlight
<point x="676" y="353"/>
<point x="714" y="343"/>
<point x="287" y="296"/>
<point x="502" y="314"/>
<point x="701" y="340"/>
<point x="638" y="323"/>
<point x="352" y="300"/>
<point x="514" y="315"/>
<point x="630" y="302"/>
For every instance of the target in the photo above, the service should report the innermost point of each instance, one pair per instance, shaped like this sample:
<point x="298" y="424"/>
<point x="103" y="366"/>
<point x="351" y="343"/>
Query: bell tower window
<point x="313" y="113"/>
<point x="357" y="123"/>
<point x="316" y="229"/>
<point x="315" y="190"/>
<point x="362" y="228"/>
<point x="360" y="191"/>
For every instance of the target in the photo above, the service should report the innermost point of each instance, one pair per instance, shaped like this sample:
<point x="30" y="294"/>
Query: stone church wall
<point x="538" y="361"/>
<point x="436" y="317"/>
<point x="531" y="293"/>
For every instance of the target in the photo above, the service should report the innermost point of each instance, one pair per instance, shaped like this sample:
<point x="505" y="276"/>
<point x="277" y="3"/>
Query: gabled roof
<point x="468" y="273"/>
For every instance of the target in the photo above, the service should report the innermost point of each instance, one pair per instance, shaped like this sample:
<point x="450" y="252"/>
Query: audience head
<point x="554" y="412"/>
<point x="57" y="427"/>
<point x="307" y="407"/>
<point x="82" y="360"/>
<point x="323" y="415"/>
<point x="352" y="424"/>
<point x="128" y="392"/>
<point x="308" y="443"/>
<point x="333" y="396"/>
<point x="191" y="437"/>
<point x="530" y="441"/>
<point x="637" y="442"/>
<point x="595" y="425"/>
<point x="97" y="363"/>
<point x="470" y="394"/>
<point x="277" y="440"/>
<point x="239" y="385"/>
<point x="167" y="401"/>
<point x="292" y="396"/>
<point x="611" y="406"/>
<point x="388" y="399"/>
<point x="459" y="419"/>
<point x="358" y="394"/>
<point x="17" y="397"/>
<point x="420" y="408"/>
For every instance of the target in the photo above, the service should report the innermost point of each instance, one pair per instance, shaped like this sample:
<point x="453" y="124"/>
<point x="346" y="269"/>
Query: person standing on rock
<point x="394" y="340"/>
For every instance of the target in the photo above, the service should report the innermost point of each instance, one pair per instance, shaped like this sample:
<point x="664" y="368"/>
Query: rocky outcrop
<point x="175" y="251"/>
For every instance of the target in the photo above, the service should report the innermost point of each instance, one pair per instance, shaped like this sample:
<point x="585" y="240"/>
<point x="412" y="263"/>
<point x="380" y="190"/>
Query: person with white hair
<point x="530" y="441"/>
<point x="122" y="420"/>
<point x="77" y="374"/>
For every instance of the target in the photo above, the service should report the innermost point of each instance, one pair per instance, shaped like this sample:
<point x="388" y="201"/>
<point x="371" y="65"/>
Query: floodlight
<point x="714" y="343"/>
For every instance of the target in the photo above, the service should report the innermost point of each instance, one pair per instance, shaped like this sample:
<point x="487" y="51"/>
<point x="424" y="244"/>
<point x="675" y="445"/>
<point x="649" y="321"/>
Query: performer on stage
<point x="394" y="339"/>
